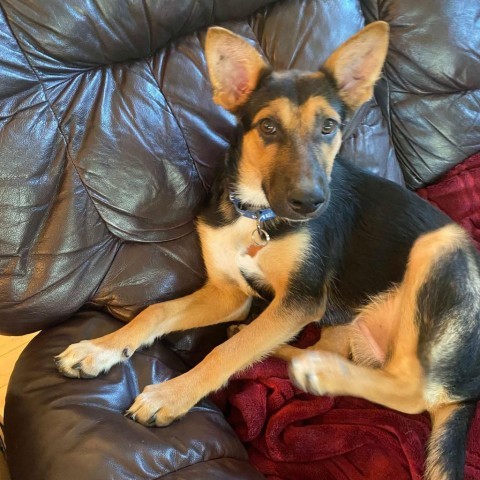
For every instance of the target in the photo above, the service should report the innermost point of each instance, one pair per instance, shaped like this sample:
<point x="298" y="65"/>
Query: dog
<point x="394" y="282"/>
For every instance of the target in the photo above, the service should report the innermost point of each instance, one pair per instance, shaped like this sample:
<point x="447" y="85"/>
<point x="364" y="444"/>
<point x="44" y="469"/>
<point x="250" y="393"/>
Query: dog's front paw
<point x="320" y="373"/>
<point x="159" y="405"/>
<point x="86" y="359"/>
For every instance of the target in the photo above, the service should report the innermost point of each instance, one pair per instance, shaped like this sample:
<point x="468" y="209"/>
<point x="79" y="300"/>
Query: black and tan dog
<point x="393" y="280"/>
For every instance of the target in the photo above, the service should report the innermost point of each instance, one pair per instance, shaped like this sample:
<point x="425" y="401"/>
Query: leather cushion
<point x="58" y="428"/>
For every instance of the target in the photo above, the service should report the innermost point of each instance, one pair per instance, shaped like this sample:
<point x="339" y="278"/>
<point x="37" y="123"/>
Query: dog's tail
<point x="447" y="445"/>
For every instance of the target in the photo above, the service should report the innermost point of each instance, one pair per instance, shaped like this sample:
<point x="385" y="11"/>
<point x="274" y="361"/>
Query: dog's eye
<point x="268" y="126"/>
<point x="329" y="126"/>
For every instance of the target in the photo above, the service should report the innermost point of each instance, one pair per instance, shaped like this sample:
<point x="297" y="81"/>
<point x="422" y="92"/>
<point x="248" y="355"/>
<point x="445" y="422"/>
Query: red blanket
<point x="291" y="435"/>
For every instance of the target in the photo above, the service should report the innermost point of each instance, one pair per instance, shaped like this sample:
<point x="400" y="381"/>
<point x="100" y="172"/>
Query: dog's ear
<point x="234" y="67"/>
<point x="356" y="65"/>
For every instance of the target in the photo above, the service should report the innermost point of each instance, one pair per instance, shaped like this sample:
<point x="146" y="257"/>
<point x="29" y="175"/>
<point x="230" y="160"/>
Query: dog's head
<point x="292" y="121"/>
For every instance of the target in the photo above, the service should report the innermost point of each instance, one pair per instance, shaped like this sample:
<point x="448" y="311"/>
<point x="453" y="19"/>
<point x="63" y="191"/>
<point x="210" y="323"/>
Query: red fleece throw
<point x="291" y="435"/>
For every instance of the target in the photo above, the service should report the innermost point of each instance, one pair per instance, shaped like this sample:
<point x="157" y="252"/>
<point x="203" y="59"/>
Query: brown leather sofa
<point x="109" y="141"/>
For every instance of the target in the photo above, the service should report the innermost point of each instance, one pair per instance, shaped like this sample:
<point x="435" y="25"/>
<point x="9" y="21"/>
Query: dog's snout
<point x="305" y="202"/>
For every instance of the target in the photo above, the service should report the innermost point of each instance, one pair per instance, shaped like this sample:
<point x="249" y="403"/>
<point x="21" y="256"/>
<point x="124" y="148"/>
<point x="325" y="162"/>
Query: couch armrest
<point x="59" y="428"/>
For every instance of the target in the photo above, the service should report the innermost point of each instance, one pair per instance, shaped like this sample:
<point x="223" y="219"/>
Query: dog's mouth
<point x="277" y="206"/>
<point x="299" y="211"/>
<point x="288" y="213"/>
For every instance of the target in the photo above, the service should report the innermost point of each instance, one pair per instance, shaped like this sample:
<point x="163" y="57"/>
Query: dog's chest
<point x="229" y="256"/>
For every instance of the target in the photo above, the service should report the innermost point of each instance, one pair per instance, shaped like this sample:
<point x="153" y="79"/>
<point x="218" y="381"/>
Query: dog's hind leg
<point x="400" y="384"/>
<point x="210" y="305"/>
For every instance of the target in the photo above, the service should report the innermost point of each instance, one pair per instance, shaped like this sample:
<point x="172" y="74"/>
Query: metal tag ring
<point x="260" y="237"/>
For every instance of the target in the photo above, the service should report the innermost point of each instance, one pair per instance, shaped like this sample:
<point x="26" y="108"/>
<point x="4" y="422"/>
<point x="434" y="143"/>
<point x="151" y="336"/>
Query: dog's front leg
<point x="161" y="404"/>
<point x="210" y="305"/>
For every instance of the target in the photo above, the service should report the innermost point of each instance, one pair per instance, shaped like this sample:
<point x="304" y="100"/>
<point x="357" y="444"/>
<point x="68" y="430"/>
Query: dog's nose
<point x="306" y="201"/>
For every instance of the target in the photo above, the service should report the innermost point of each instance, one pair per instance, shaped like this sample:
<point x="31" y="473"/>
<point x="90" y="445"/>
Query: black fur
<point x="452" y="441"/>
<point x="358" y="242"/>
<point x="257" y="284"/>
<point x="441" y="307"/>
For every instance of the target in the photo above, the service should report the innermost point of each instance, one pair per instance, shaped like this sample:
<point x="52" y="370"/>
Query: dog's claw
<point x="152" y="421"/>
<point x="57" y="360"/>
<point x="67" y="373"/>
<point x="129" y="414"/>
<point x="310" y="383"/>
<point x="81" y="373"/>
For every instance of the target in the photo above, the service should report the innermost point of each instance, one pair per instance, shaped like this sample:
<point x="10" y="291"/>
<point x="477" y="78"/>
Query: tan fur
<point x="281" y="109"/>
<point x="228" y="246"/>
<point x="310" y="109"/>
<point x="298" y="119"/>
<point x="259" y="160"/>
<point x="334" y="339"/>
<point x="100" y="354"/>
<point x="234" y="67"/>
<point x="356" y="65"/>
<point x="283" y="259"/>
<point x="224" y="252"/>
<point x="327" y="151"/>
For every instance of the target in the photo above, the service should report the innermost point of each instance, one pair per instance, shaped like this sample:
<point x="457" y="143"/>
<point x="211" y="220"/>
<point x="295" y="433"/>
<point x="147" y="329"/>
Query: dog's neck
<point x="261" y="215"/>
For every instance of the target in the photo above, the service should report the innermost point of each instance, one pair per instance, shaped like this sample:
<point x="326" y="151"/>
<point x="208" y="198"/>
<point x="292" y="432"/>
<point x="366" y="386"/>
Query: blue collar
<point x="259" y="215"/>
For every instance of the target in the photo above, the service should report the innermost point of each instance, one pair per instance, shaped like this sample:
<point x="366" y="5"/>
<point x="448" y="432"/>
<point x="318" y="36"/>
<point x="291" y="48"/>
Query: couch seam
<point x="57" y="121"/>
<point x="118" y="240"/>
<point x="194" y="163"/>
<point x="387" y="82"/>
<point x="200" y="462"/>
<point x="65" y="139"/>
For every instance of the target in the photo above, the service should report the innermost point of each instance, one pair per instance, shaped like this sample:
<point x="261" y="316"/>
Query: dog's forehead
<point x="296" y="88"/>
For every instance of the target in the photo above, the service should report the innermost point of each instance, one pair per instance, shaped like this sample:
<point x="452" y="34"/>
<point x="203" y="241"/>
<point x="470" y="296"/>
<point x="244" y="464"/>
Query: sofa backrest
<point x="109" y="139"/>
<point x="431" y="93"/>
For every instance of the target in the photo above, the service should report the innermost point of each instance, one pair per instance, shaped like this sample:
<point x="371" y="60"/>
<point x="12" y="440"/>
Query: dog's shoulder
<point x="379" y="201"/>
<point x="364" y="238"/>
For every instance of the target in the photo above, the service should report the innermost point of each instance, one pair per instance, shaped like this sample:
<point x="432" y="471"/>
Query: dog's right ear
<point x="234" y="66"/>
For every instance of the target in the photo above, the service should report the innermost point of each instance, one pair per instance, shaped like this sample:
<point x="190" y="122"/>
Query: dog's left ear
<point x="234" y="67"/>
<point x="356" y="65"/>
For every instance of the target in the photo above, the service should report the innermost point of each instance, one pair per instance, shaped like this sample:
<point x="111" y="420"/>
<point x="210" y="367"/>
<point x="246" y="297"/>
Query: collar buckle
<point x="259" y="215"/>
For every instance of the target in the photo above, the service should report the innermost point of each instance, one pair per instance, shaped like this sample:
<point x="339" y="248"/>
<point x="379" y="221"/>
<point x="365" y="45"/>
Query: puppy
<point x="394" y="280"/>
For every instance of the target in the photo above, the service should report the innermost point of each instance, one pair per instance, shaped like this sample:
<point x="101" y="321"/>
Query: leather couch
<point x="109" y="141"/>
